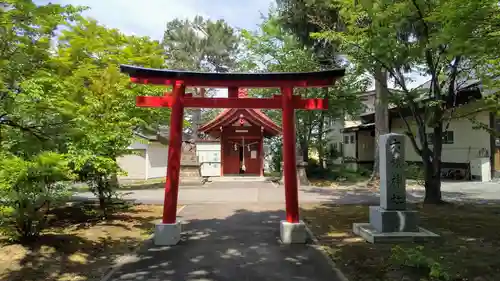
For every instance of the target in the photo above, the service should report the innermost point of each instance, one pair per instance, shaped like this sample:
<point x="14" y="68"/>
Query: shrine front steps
<point x="238" y="179"/>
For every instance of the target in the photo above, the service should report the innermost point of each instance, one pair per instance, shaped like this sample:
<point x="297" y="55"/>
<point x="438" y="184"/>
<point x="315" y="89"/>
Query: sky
<point x="149" y="17"/>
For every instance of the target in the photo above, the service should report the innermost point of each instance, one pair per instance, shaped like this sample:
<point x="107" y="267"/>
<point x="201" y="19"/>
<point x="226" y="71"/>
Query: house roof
<point x="465" y="95"/>
<point x="146" y="137"/>
<point x="164" y="133"/>
<point x="228" y="116"/>
<point x="359" y="127"/>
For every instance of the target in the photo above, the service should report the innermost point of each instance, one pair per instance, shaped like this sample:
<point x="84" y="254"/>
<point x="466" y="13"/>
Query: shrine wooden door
<point x="242" y="157"/>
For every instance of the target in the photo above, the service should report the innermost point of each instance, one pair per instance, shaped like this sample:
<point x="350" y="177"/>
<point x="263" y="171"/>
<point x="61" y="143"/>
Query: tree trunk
<point x="381" y="115"/>
<point x="304" y="148"/>
<point x="321" y="150"/>
<point x="196" y="115"/>
<point x="432" y="183"/>
<point x="433" y="169"/>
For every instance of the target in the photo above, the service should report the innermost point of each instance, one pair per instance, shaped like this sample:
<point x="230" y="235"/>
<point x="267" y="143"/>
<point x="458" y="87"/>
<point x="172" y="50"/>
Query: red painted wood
<point x="261" y="156"/>
<point x="247" y="103"/>
<point x="231" y="158"/>
<point x="222" y="145"/>
<point x="228" y="116"/>
<point x="232" y="92"/>
<point x="252" y="165"/>
<point x="290" y="167"/>
<point x="174" y="154"/>
<point x="193" y="82"/>
<point x="252" y="138"/>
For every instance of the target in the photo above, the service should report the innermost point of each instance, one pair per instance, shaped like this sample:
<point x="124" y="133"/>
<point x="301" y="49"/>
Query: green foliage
<point x="416" y="258"/>
<point x="103" y="103"/>
<point x="25" y="48"/>
<point x="449" y="41"/>
<point x="337" y="173"/>
<point x="28" y="189"/>
<point x="275" y="150"/>
<point x="415" y="172"/>
<point x="64" y="93"/>
<point x="305" y="17"/>
<point x="272" y="49"/>
<point x="200" y="45"/>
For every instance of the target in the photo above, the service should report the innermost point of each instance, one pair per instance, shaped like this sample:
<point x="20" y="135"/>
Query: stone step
<point x="238" y="179"/>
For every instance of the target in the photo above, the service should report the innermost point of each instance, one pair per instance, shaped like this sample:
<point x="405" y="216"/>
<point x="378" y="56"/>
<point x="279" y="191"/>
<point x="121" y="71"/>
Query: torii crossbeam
<point x="177" y="100"/>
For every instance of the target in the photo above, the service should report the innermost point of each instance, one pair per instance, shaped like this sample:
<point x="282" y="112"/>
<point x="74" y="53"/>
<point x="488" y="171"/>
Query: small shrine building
<point x="239" y="136"/>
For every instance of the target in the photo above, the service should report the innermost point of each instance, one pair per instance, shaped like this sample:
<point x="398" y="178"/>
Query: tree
<point x="31" y="120"/>
<point x="102" y="99"/>
<point x="446" y="40"/>
<point x="26" y="33"/>
<point x="304" y="18"/>
<point x="28" y="191"/>
<point x="200" y="45"/>
<point x="272" y="49"/>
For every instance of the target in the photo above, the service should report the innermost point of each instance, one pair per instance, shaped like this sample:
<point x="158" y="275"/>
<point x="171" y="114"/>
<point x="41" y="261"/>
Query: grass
<point x="129" y="185"/>
<point x="145" y="184"/>
<point x="77" y="246"/>
<point x="335" y="183"/>
<point x="338" y="177"/>
<point x="469" y="248"/>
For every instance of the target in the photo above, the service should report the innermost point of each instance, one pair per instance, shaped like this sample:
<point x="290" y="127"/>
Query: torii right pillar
<point x="292" y="230"/>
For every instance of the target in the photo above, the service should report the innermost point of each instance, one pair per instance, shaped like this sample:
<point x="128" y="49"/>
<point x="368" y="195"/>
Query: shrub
<point x="415" y="172"/>
<point x="416" y="259"/>
<point x="100" y="174"/>
<point x="28" y="190"/>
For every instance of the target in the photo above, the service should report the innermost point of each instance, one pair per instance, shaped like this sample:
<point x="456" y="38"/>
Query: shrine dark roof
<point x="270" y="79"/>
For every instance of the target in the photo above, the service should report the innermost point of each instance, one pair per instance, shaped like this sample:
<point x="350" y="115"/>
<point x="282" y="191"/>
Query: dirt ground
<point x="469" y="247"/>
<point x="77" y="246"/>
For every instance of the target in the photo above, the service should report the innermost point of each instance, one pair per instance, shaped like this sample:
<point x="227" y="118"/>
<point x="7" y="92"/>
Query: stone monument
<point x="301" y="169"/>
<point x="190" y="173"/>
<point x="391" y="221"/>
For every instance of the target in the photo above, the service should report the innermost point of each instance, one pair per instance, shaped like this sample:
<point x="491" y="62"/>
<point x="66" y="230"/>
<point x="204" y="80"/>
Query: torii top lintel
<point x="224" y="80"/>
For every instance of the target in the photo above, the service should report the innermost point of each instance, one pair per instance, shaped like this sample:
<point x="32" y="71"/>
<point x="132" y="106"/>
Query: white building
<point x="147" y="159"/>
<point x="464" y="144"/>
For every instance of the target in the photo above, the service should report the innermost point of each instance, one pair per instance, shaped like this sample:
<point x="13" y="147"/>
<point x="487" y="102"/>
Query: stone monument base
<point x="190" y="175"/>
<point x="371" y="235"/>
<point x="393" y="221"/>
<point x="167" y="234"/>
<point x="293" y="233"/>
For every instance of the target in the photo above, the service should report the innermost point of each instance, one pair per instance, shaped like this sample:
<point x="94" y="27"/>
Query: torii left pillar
<point x="168" y="232"/>
<point x="292" y="230"/>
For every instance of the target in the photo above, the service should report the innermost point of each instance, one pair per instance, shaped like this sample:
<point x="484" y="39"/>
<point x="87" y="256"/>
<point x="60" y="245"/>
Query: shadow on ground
<point x="467" y="250"/>
<point x="242" y="246"/>
<point x="367" y="196"/>
<point x="75" y="246"/>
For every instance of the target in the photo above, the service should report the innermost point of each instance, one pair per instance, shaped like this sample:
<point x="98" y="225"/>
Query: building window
<point x="430" y="137"/>
<point x="352" y="138"/>
<point x="448" y="137"/>
<point x="346" y="139"/>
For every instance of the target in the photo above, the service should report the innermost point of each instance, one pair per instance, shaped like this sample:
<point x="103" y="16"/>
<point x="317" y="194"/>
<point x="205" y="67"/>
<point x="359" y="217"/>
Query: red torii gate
<point x="177" y="100"/>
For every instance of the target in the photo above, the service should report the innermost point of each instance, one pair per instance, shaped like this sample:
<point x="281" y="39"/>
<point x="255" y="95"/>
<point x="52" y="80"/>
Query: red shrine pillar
<point x="232" y="92"/>
<point x="289" y="159"/>
<point x="174" y="154"/>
